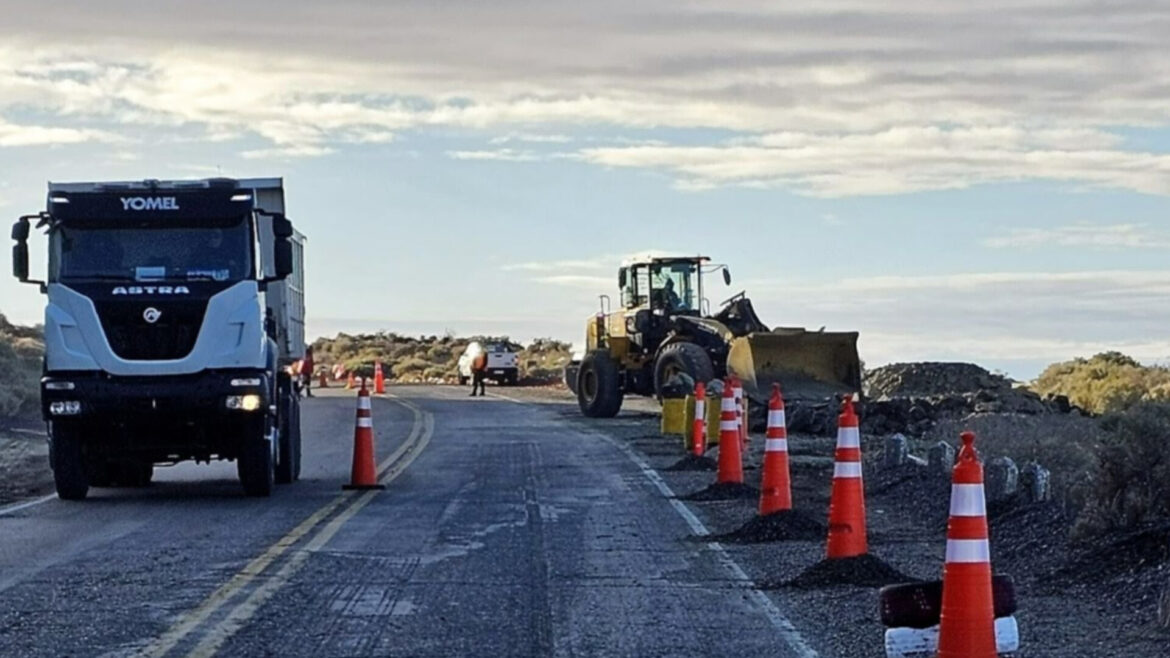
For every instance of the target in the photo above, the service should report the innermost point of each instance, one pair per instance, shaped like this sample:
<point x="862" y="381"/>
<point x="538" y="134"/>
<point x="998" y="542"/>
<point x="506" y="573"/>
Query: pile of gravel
<point x="928" y="379"/>
<point x="861" y="571"/>
<point x="693" y="463"/>
<point x="790" y="525"/>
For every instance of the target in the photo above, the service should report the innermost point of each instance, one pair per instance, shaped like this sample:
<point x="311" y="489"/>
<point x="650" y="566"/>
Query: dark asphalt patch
<point x="861" y="571"/>
<point x="790" y="525"/>
<point x="723" y="491"/>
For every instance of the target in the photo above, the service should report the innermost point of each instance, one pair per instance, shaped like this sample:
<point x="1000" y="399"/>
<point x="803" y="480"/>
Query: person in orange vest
<point x="307" y="367"/>
<point x="478" y="374"/>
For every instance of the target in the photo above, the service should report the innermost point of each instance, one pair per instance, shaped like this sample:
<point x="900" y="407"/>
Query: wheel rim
<point x="589" y="385"/>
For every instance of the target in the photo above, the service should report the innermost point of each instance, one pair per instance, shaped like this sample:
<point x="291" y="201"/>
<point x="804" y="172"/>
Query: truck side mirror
<point x="20" y="230"/>
<point x="621" y="279"/>
<point x="726" y="276"/>
<point x="283" y="258"/>
<point x="20" y="261"/>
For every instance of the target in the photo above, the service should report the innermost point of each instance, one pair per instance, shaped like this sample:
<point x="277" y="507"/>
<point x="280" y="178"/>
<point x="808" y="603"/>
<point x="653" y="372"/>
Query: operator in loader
<point x="668" y="298"/>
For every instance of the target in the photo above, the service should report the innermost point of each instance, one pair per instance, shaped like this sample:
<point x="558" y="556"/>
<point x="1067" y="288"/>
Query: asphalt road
<point x="503" y="531"/>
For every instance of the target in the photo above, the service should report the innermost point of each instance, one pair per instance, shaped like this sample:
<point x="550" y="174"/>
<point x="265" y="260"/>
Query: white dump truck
<point x="173" y="309"/>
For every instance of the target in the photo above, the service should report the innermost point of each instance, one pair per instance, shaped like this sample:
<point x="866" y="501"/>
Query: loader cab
<point x="665" y="286"/>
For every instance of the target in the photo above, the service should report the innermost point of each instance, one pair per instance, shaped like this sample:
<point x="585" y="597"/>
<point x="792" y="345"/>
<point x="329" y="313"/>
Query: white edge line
<point x="792" y="637"/>
<point x="11" y="509"/>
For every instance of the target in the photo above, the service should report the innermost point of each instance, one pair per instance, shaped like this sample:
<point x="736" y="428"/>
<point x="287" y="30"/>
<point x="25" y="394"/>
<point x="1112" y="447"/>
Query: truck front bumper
<point x="202" y="396"/>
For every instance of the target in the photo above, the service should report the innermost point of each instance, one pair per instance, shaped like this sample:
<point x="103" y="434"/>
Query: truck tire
<point x="288" y="465"/>
<point x="69" y="468"/>
<point x="686" y="358"/>
<point x="512" y="378"/>
<point x="599" y="392"/>
<point x="256" y="463"/>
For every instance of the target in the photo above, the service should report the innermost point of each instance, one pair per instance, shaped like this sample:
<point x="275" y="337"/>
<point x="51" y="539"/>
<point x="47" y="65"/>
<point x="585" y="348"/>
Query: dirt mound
<point x="862" y="571"/>
<point x="928" y="379"/>
<point x="723" y="491"/>
<point x="782" y="526"/>
<point x="693" y="463"/>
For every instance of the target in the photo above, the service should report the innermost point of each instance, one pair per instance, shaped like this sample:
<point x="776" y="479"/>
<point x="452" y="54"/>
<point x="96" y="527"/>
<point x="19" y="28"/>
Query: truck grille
<point x="171" y="336"/>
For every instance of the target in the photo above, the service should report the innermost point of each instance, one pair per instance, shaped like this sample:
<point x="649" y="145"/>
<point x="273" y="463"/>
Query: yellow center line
<point x="215" y="638"/>
<point x="217" y="599"/>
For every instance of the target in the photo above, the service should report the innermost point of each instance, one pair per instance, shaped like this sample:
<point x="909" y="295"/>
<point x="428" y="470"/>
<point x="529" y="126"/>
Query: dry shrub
<point x="1130" y="485"/>
<point x="20" y="369"/>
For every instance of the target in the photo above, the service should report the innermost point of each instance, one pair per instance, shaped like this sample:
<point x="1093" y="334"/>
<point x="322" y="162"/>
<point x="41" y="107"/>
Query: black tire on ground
<point x="255" y="464"/>
<point x="288" y="432"/>
<point x="919" y="605"/>
<point x="599" y="392"/>
<point x="69" y="467"/>
<point x="686" y="358"/>
<point x="512" y="379"/>
<point x="463" y="380"/>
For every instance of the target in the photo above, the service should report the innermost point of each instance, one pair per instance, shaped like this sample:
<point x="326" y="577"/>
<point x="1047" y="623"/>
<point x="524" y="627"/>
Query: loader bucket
<point x="813" y="366"/>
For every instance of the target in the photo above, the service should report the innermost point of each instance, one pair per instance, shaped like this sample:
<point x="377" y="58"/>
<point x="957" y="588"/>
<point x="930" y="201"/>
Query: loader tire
<point x="688" y="358"/>
<point x="599" y="392"/>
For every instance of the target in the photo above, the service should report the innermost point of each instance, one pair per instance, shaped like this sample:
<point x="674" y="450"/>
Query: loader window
<point x="674" y="287"/>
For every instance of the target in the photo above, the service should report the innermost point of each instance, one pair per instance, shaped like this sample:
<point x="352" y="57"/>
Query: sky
<point x="984" y="182"/>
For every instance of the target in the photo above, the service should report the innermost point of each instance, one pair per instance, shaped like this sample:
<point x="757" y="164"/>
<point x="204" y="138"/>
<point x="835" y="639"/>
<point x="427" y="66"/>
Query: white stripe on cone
<point x="968" y="551"/>
<point x="364" y="403"/>
<point x="849" y="437"/>
<point x="700" y="409"/>
<point x="968" y="500"/>
<point x="776" y="418"/>
<point x="728" y="426"/>
<point x="728" y="405"/>
<point x="365" y="422"/>
<point x="847" y="470"/>
<point x="923" y="642"/>
<point x="775" y="445"/>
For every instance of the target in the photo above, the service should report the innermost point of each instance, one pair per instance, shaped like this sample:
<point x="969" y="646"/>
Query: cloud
<point x="901" y="160"/>
<point x="833" y="98"/>
<point x="1114" y="236"/>
<point x="502" y="155"/>
<point x="12" y="135"/>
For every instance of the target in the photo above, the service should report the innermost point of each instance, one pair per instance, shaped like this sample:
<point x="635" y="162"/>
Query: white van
<point x="503" y="365"/>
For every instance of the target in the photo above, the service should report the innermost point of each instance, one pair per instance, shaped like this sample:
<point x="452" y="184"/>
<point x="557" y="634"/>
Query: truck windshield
<point x="152" y="252"/>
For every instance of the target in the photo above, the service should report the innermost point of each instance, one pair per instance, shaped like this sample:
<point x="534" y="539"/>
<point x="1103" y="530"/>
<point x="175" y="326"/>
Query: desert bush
<point x="1108" y="382"/>
<point x="1130" y="484"/>
<point x="21" y="351"/>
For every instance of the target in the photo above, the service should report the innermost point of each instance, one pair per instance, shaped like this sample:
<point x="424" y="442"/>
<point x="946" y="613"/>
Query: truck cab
<point x="172" y="309"/>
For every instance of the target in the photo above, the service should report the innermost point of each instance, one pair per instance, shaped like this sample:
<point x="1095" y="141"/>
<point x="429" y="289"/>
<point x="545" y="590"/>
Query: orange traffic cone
<point x="775" y="489"/>
<point x="379" y="379"/>
<point x="967" y="626"/>
<point x="349" y="382"/>
<point x="699" y="428"/>
<point x="730" y="457"/>
<point x="737" y="388"/>
<point x="323" y="380"/>
<point x="847" y="536"/>
<point x="365" y="472"/>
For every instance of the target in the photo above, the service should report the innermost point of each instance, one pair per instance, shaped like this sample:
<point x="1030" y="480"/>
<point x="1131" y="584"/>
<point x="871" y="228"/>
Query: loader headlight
<point x="243" y="402"/>
<point x="65" y="408"/>
<point x="246" y="381"/>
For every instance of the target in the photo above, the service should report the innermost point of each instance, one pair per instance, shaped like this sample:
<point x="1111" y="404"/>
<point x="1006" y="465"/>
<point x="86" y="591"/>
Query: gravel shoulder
<point x="1077" y="602"/>
<point x="24" y="465"/>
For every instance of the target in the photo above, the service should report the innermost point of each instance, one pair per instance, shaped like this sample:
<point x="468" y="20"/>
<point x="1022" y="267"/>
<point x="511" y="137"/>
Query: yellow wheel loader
<point x="664" y="328"/>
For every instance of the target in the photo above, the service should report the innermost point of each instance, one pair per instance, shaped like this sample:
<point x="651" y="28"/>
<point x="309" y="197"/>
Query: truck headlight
<point x="65" y="408"/>
<point x="243" y="402"/>
<point x="59" y="386"/>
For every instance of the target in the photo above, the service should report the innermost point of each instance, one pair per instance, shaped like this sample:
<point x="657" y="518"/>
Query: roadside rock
<point x="1002" y="479"/>
<point x="941" y="458"/>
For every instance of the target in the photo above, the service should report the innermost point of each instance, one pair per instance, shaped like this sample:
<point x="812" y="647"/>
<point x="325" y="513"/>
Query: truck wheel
<point x="288" y="466"/>
<point x="512" y="378"/>
<point x="69" y="468"/>
<point x="682" y="358"/>
<point x="256" y="463"/>
<point x="599" y="391"/>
